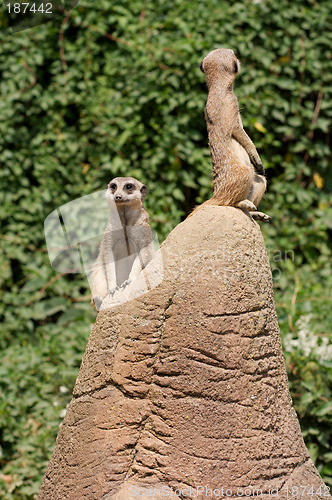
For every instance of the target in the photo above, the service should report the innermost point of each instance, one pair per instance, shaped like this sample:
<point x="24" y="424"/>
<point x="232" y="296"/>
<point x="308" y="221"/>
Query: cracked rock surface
<point x="184" y="389"/>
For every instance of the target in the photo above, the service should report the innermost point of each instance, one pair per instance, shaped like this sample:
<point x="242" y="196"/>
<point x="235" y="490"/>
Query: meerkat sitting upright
<point x="233" y="154"/>
<point x="126" y="247"/>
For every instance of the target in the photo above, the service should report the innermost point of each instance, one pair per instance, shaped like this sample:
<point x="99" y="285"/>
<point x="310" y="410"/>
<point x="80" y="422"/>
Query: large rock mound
<point x="184" y="389"/>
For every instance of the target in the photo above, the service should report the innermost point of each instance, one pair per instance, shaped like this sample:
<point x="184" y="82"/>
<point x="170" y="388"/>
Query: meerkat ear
<point x="236" y="66"/>
<point x="143" y="190"/>
<point x="201" y="67"/>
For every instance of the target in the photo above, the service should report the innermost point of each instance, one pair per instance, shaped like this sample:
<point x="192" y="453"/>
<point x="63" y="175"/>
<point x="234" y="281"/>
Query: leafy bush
<point x="309" y="360"/>
<point x="115" y="89"/>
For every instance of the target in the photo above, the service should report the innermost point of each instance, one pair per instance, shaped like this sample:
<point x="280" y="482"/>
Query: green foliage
<point x="115" y="89"/>
<point x="308" y="355"/>
<point x="37" y="377"/>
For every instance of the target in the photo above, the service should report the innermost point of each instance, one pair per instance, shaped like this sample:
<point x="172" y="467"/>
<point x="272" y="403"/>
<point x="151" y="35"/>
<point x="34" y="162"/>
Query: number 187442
<point x="26" y="8"/>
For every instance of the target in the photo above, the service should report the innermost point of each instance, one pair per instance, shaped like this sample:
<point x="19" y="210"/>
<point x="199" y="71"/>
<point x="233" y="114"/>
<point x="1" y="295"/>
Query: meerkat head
<point x="126" y="191"/>
<point x="220" y="65"/>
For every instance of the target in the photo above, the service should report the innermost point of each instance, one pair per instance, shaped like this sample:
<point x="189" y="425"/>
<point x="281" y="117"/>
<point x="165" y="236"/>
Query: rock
<point x="185" y="386"/>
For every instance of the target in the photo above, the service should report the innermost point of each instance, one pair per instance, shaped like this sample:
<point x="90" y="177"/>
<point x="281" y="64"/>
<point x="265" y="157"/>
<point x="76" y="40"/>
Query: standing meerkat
<point x="233" y="153"/>
<point x="127" y="244"/>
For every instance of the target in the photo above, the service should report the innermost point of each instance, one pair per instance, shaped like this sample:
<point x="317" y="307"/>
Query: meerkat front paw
<point x="97" y="300"/>
<point x="246" y="204"/>
<point x="260" y="216"/>
<point x="260" y="168"/>
<point x="257" y="162"/>
<point x="113" y="290"/>
<point x="125" y="283"/>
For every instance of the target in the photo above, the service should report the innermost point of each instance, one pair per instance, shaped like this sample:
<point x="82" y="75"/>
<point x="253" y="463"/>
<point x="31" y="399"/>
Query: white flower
<point x="307" y="342"/>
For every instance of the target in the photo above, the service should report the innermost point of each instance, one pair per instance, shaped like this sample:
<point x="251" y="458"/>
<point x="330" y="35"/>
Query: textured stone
<point x="185" y="386"/>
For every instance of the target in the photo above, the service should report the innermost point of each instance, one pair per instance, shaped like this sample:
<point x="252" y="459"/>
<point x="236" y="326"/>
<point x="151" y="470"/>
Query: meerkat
<point x="127" y="244"/>
<point x="233" y="154"/>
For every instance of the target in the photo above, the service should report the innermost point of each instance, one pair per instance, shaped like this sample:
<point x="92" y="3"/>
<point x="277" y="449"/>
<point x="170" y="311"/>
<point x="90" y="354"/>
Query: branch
<point x="61" y="39"/>
<point x="31" y="71"/>
<point x="17" y="241"/>
<point x="314" y="120"/>
<point x="42" y="290"/>
<point x="293" y="302"/>
<point x="114" y="38"/>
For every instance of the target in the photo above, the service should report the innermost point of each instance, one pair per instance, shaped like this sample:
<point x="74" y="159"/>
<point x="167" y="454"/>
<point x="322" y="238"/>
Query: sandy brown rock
<point x="185" y="387"/>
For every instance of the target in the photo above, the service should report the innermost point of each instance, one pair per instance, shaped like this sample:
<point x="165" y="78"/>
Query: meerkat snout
<point x="126" y="190"/>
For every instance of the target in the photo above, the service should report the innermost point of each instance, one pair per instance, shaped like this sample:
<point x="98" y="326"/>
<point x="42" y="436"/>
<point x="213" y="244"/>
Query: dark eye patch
<point x="129" y="186"/>
<point x="112" y="186"/>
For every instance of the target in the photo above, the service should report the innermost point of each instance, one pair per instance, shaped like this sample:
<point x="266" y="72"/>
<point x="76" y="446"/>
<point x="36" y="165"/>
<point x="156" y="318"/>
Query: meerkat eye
<point x="129" y="187"/>
<point x="113" y="186"/>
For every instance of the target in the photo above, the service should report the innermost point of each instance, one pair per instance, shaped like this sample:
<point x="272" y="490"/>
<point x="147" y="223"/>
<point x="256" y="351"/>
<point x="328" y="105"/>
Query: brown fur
<point x="233" y="154"/>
